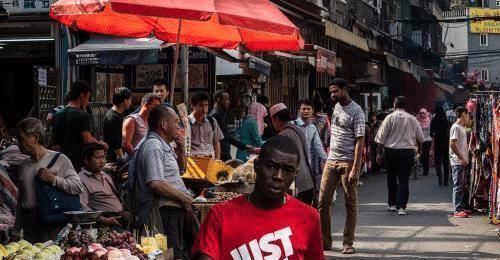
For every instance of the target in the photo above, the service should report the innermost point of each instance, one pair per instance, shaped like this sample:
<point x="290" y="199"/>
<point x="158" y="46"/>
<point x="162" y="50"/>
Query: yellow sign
<point x="484" y="26"/>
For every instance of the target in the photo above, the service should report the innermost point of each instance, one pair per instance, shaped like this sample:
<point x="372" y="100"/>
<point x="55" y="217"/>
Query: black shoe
<point x="445" y="183"/>
<point x="440" y="183"/>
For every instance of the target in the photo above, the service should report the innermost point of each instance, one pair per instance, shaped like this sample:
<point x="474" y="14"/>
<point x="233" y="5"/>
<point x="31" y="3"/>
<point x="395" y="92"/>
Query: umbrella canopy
<point x="259" y="15"/>
<point x="99" y="16"/>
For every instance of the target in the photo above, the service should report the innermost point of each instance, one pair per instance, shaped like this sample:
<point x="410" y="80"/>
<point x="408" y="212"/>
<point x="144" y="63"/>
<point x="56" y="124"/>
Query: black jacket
<point x="229" y="136"/>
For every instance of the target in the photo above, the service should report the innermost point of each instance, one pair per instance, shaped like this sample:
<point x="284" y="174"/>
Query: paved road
<point x="427" y="232"/>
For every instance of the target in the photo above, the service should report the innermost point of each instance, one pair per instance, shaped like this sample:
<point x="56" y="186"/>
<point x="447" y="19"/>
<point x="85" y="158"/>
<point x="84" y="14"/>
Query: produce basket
<point x="208" y="169"/>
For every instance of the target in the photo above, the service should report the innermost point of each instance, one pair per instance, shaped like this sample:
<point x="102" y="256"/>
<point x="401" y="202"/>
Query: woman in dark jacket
<point x="440" y="131"/>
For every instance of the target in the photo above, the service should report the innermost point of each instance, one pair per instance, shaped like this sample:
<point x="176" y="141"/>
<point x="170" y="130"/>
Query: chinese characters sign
<point x="484" y="25"/>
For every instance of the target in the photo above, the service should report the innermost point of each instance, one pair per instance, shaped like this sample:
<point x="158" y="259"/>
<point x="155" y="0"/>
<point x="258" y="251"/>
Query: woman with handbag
<point x="47" y="178"/>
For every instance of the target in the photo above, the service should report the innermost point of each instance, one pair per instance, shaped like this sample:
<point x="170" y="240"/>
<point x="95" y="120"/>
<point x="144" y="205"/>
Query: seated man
<point x="99" y="192"/>
<point x="267" y="223"/>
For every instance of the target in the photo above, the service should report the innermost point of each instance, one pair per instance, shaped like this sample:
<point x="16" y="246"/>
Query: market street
<point x="428" y="231"/>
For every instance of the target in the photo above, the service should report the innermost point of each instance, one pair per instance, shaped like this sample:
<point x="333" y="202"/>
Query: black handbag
<point x="53" y="202"/>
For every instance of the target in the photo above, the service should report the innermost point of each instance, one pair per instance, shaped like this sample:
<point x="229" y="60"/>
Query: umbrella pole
<point x="185" y="72"/>
<point x="174" y="63"/>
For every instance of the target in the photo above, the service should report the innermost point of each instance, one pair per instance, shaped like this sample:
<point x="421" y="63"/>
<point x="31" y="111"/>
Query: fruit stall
<point x="223" y="181"/>
<point x="82" y="241"/>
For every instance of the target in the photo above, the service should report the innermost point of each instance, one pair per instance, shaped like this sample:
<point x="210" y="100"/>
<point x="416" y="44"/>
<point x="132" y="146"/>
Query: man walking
<point x="282" y="122"/>
<point x="72" y="124"/>
<point x="400" y="133"/>
<point x="459" y="159"/>
<point x="343" y="164"/>
<point x="113" y="123"/>
<point x="219" y="113"/>
<point x="156" y="181"/>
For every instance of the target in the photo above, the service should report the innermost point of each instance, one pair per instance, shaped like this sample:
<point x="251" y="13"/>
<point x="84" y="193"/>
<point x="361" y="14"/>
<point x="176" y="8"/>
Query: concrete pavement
<point x="428" y="231"/>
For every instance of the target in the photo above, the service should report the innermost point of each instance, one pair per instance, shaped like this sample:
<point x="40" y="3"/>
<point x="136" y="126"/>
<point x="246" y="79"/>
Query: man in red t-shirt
<point x="267" y="223"/>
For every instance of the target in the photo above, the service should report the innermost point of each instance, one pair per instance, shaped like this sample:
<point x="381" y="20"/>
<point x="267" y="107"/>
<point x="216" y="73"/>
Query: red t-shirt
<point x="239" y="230"/>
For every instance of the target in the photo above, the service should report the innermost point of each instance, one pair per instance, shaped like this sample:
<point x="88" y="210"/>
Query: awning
<point x="448" y="88"/>
<point x="341" y="34"/>
<point x="324" y="60"/>
<point x="397" y="63"/>
<point x="231" y="62"/>
<point x="102" y="50"/>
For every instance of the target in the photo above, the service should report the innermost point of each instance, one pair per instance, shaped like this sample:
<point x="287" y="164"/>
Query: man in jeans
<point x="400" y="133"/>
<point x="459" y="160"/>
<point x="343" y="164"/>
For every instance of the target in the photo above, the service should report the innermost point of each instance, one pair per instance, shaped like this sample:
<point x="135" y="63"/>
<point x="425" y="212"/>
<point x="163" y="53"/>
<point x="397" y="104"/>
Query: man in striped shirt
<point x="343" y="164"/>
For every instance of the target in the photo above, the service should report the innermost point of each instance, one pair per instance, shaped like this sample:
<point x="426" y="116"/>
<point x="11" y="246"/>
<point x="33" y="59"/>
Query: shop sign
<point x="84" y="59"/>
<point x="485" y="26"/>
<point x="196" y="56"/>
<point x="22" y="6"/>
<point x="326" y="62"/>
<point x="42" y="77"/>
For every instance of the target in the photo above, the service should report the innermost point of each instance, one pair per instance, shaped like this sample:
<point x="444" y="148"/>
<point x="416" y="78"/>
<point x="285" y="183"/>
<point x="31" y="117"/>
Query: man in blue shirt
<point x="318" y="155"/>
<point x="155" y="180"/>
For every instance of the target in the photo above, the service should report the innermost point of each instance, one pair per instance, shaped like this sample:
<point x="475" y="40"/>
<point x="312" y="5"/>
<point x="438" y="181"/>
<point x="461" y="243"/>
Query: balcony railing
<point x="457" y="13"/>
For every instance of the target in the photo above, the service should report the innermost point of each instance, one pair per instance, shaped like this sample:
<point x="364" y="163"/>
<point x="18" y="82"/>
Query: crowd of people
<point x="302" y="160"/>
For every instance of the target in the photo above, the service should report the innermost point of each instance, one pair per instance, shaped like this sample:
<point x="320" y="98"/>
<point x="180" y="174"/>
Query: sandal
<point x="348" y="250"/>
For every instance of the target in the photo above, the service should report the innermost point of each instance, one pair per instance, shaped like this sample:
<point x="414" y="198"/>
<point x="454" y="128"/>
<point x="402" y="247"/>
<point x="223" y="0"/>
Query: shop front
<point x="27" y="58"/>
<point x="108" y="63"/>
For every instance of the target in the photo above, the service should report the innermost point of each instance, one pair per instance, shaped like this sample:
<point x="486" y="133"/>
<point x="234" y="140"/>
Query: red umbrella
<point x="260" y="15"/>
<point x="224" y="29"/>
<point x="256" y="24"/>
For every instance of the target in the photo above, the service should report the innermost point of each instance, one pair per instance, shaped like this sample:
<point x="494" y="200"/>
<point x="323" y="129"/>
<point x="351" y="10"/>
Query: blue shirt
<point x="153" y="160"/>
<point x="312" y="137"/>
<point x="249" y="135"/>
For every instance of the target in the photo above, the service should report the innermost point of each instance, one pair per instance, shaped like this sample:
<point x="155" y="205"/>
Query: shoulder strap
<point x="212" y="123"/>
<point x="303" y="141"/>
<point x="53" y="161"/>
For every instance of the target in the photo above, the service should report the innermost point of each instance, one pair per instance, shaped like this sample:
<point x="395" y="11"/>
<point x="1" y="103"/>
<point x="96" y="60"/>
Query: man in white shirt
<point x="399" y="134"/>
<point x="459" y="159"/>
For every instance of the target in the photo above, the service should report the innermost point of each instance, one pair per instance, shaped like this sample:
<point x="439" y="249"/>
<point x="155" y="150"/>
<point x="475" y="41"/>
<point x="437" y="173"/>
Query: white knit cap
<point x="277" y="108"/>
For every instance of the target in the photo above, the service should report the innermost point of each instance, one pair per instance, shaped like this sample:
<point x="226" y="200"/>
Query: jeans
<point x="173" y="225"/>
<point x="424" y="158"/>
<point x="458" y="174"/>
<point x="442" y="164"/>
<point x="399" y="167"/>
<point x="336" y="172"/>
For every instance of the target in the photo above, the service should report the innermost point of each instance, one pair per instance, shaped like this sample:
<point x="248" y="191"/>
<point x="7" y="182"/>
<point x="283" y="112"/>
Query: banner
<point x="326" y="62"/>
<point x="484" y="26"/>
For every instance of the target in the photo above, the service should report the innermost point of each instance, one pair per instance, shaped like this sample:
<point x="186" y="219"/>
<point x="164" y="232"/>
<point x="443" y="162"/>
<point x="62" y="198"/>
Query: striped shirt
<point x="348" y="123"/>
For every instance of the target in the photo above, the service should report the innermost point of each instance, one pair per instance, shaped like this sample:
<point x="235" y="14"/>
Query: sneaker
<point x="391" y="208"/>
<point x="402" y="212"/>
<point x="460" y="215"/>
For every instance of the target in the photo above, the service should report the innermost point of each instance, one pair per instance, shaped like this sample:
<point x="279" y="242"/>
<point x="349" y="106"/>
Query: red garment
<point x="239" y="230"/>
